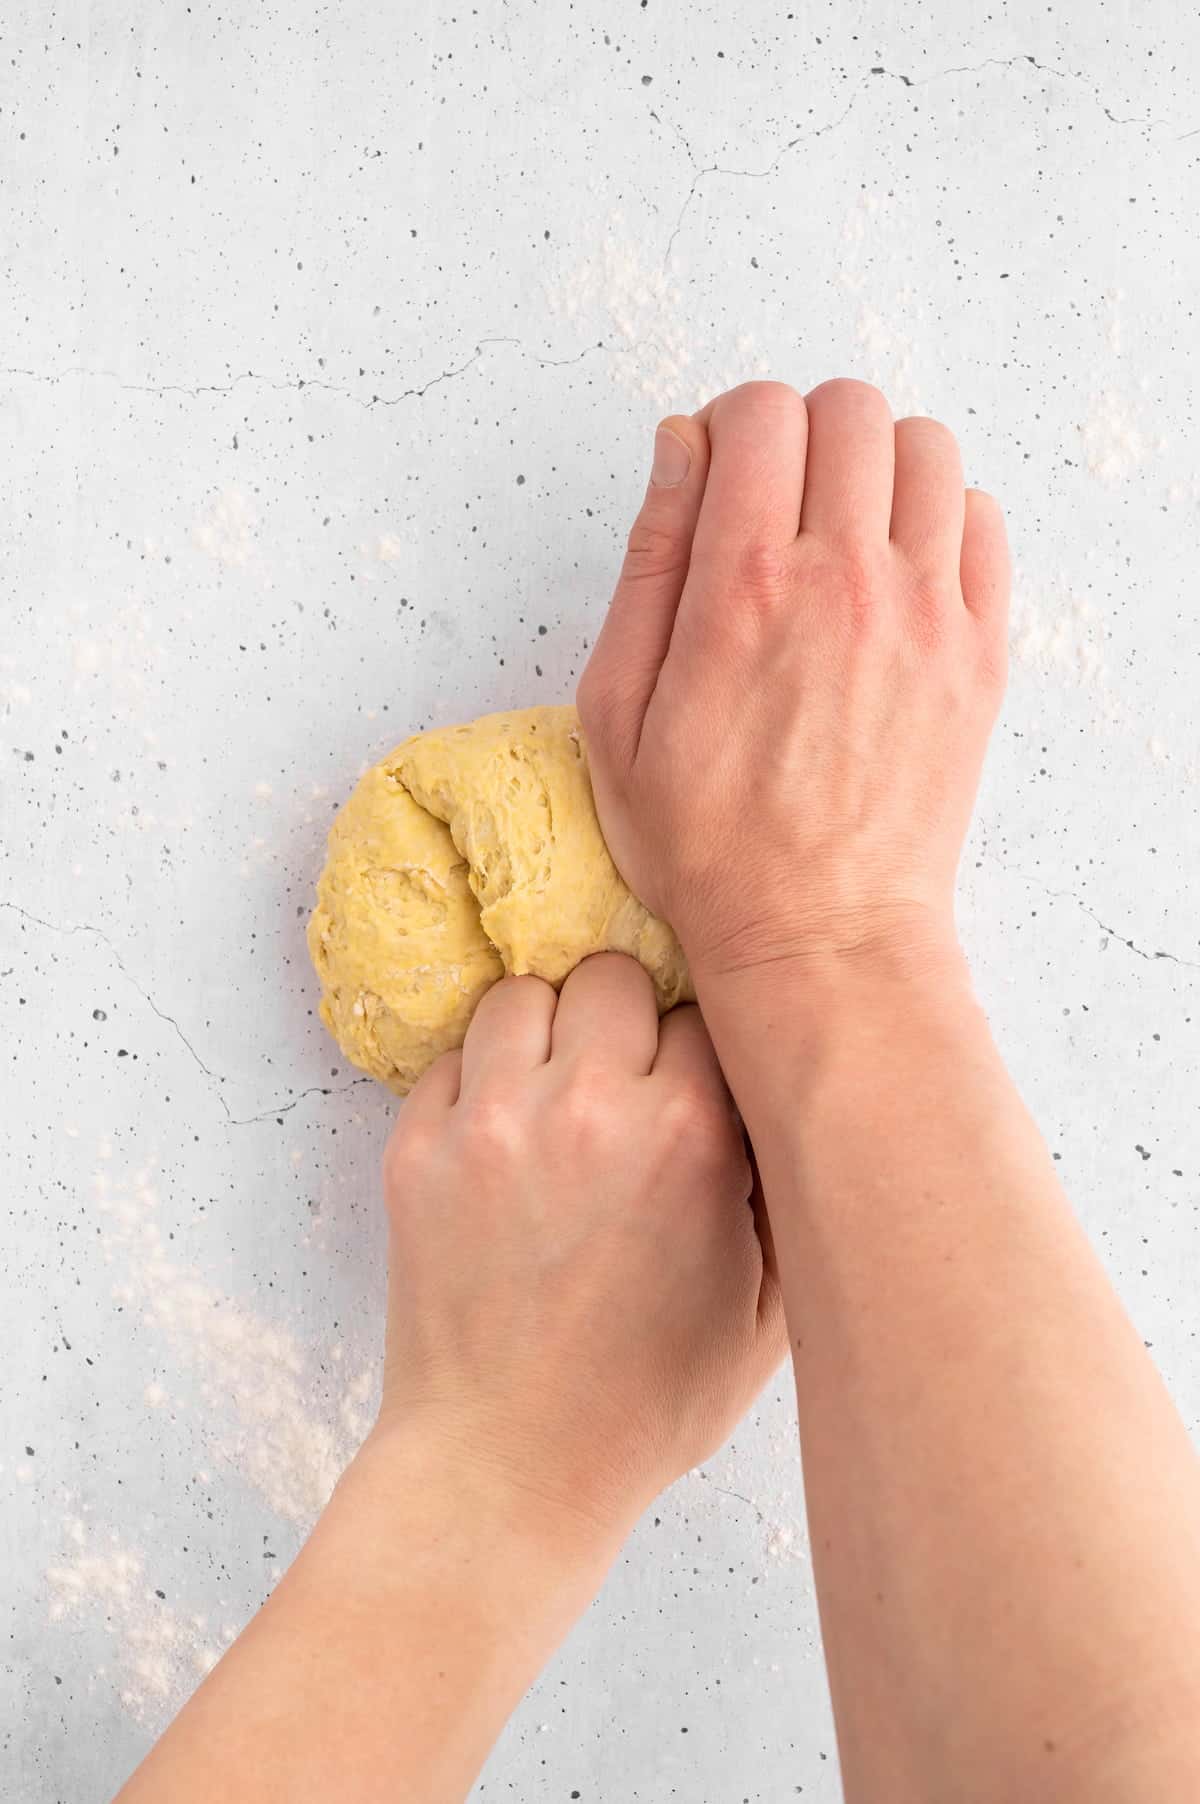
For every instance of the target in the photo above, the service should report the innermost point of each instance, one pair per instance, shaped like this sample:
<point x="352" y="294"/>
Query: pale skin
<point x="786" y="714"/>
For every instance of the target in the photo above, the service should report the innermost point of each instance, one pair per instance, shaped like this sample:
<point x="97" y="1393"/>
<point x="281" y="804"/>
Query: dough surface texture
<point x="466" y="853"/>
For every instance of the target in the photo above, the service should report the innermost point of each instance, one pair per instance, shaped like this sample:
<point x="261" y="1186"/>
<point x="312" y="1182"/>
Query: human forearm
<point x="391" y="1654"/>
<point x="579" y="1309"/>
<point x="786" y="715"/>
<point x="1004" y="1504"/>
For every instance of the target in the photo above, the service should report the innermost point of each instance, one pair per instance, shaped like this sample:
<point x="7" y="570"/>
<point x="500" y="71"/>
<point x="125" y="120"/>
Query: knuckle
<point x="591" y="1106"/>
<point x="861" y="582"/>
<point x="928" y="604"/>
<point x="653" y="550"/>
<point x="408" y="1147"/>
<point x="764" y="572"/>
<point x="492" y="1129"/>
<point x="394" y="1155"/>
<point x="695" y="1117"/>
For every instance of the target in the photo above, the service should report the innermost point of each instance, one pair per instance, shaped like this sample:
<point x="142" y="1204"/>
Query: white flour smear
<point x="158" y="1656"/>
<point x="256" y="1384"/>
<point x="620" y="297"/>
<point x="1058" y="635"/>
<point x="1114" y="444"/>
<point x="256" y="1380"/>
<point x="885" y="344"/>
<point x="225" y="532"/>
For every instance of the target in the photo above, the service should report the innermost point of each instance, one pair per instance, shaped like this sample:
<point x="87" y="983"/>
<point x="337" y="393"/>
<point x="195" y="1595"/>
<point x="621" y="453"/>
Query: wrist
<point x="819" y="986"/>
<point x="409" y="1494"/>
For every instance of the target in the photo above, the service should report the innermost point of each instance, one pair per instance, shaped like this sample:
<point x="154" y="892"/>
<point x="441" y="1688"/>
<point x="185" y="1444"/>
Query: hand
<point x="787" y="708"/>
<point x="580" y="1307"/>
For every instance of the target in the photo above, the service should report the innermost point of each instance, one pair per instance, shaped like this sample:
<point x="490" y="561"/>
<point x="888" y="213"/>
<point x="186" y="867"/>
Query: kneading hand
<point x="579" y="1309"/>
<point x="580" y="1305"/>
<point x="787" y="708"/>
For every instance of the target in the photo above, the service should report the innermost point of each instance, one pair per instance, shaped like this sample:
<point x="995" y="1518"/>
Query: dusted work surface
<point x="333" y="347"/>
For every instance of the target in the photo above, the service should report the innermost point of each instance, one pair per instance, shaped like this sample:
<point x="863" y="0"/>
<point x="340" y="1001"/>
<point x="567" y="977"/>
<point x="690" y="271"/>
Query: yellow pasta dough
<point x="466" y="853"/>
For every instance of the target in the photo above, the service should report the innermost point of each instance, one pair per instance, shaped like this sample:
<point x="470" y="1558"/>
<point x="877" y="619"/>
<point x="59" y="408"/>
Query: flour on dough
<point x="469" y="852"/>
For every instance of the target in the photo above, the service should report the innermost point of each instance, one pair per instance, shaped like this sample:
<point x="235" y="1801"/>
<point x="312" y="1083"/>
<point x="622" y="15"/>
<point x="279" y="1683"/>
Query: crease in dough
<point x="466" y="853"/>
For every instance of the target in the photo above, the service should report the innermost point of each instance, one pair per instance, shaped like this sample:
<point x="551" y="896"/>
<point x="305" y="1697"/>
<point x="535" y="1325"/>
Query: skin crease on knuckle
<point x="653" y="550"/>
<point x="697" y="1122"/>
<point x="492" y="1132"/>
<point x="765" y="575"/>
<point x="412" y="1146"/>
<point x="861" y="587"/>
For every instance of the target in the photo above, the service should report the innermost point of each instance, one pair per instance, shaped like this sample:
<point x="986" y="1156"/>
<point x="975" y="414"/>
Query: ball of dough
<point x="469" y="852"/>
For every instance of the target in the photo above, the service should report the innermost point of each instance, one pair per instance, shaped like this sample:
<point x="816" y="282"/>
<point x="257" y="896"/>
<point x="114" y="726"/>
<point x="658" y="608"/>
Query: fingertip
<point x="680" y="451"/>
<point x="984" y="502"/>
<point x="509" y="1033"/>
<point x="984" y="564"/>
<point x="687" y="426"/>
<point x="684" y="1042"/>
<point x="607" y="1013"/>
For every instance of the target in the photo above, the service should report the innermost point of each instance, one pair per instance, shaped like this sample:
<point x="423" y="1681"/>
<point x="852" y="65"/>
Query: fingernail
<point x="672" y="459"/>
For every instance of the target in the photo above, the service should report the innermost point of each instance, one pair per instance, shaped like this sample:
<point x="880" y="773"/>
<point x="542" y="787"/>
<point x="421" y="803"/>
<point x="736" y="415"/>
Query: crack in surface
<point x="1066" y="895"/>
<point x="701" y="172"/>
<point x="1015" y="62"/>
<point x="303" y="383"/>
<point x="726" y="1492"/>
<point x="708" y="169"/>
<point x="214" y="1077"/>
<point x="286" y="1107"/>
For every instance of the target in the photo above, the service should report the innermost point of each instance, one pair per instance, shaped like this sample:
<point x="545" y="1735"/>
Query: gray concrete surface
<point x="333" y="340"/>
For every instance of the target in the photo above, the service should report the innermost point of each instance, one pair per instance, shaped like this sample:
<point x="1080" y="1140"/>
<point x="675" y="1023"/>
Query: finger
<point x="851" y="459"/>
<point x="928" y="499"/>
<point x="509" y="1035"/>
<point x="685" y="1049"/>
<point x="437" y="1088"/>
<point x="984" y="564"/>
<point x="758" y="436"/>
<point x="607" y="1014"/>
<point x="621" y="673"/>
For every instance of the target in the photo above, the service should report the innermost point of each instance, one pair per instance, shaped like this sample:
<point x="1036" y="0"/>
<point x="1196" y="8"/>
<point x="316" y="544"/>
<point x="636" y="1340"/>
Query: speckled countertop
<point x="332" y="348"/>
